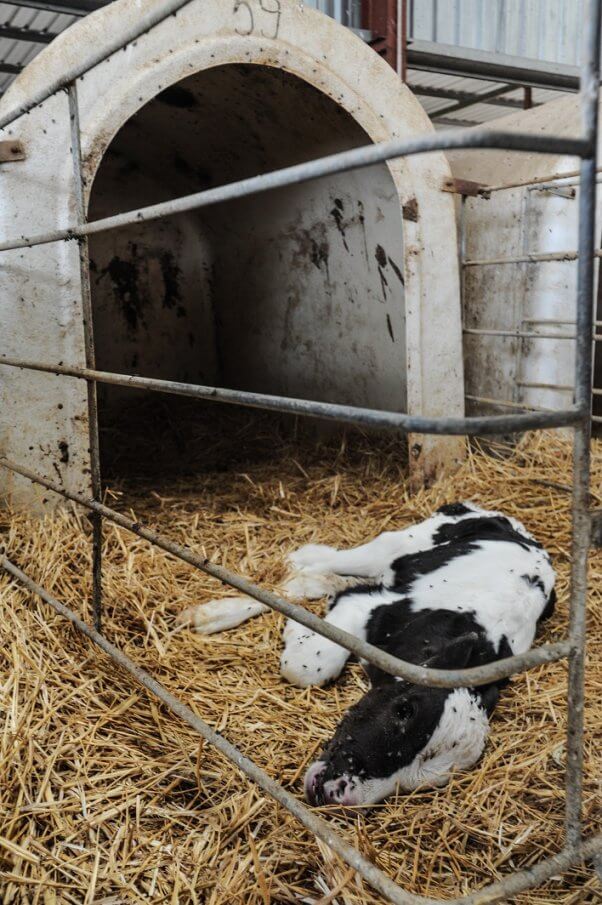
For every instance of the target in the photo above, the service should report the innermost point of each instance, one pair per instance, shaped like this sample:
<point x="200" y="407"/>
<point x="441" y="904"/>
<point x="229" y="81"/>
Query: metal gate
<point x="577" y="416"/>
<point x="525" y="328"/>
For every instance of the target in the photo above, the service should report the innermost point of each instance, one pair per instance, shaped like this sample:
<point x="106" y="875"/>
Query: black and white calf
<point x="463" y="588"/>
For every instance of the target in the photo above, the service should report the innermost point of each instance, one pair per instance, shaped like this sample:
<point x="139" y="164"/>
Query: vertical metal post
<point x="462" y="241"/>
<point x="521" y="294"/>
<point x="402" y="39"/>
<point x="590" y="77"/>
<point x="84" y="267"/>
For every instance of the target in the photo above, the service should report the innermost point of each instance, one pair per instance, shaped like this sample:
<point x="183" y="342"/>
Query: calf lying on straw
<point x="463" y="588"/>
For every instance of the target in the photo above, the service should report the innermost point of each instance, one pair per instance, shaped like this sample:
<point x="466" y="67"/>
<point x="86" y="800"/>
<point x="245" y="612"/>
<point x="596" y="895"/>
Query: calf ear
<point x="456" y="654"/>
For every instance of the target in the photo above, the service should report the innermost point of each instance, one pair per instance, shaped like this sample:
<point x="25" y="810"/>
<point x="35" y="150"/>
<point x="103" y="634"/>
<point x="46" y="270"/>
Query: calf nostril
<point x="341" y="787"/>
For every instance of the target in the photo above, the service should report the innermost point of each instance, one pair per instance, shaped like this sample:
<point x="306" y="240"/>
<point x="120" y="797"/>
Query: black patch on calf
<point x="454" y="509"/>
<point x="549" y="607"/>
<point x="418" y="637"/>
<point x="384" y="731"/>
<point x="364" y="589"/>
<point x="453" y="540"/>
<point x="534" y="581"/>
<point x="406" y="569"/>
<point x="482" y="527"/>
<point x="394" y="721"/>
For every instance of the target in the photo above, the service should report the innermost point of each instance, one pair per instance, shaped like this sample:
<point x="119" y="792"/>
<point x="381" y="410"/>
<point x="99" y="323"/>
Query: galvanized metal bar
<point x="506" y="403"/>
<point x="420" y="675"/>
<point x="555" y="322"/>
<point x="325" y="410"/>
<point x="462" y="245"/>
<point x="143" y="24"/>
<point x="535" y="258"/>
<point x="511" y="885"/>
<point x="575" y="181"/>
<point x="433" y="56"/>
<point x="519" y="295"/>
<point x="547" y="386"/>
<point x="551" y="321"/>
<point x="590" y="81"/>
<point x="357" y="158"/>
<point x="520" y="334"/>
<point x="88" y="326"/>
<point x="515" y="883"/>
<point x="538" y="181"/>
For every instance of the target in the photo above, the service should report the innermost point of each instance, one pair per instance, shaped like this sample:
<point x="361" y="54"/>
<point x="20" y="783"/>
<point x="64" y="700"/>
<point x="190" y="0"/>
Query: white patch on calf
<point x="314" y="585"/>
<point x="488" y="582"/>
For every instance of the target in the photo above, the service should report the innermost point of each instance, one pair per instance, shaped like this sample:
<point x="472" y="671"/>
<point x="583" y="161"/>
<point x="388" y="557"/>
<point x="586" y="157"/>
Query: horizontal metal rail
<point x="507" y="404"/>
<point x="535" y="258"/>
<point x="562" y="387"/>
<point x="420" y="675"/>
<point x="520" y="334"/>
<point x="538" y="181"/>
<point x="356" y="158"/>
<point x="372" y="418"/>
<point x="523" y="334"/>
<point x="553" y="320"/>
<point x="316" y="824"/>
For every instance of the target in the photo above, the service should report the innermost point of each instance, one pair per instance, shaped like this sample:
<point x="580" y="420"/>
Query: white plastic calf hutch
<point x="520" y="270"/>
<point x="342" y="289"/>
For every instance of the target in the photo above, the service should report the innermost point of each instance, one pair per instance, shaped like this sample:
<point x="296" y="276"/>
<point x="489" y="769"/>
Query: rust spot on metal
<point x="11" y="150"/>
<point x="465" y="187"/>
<point x="410" y="210"/>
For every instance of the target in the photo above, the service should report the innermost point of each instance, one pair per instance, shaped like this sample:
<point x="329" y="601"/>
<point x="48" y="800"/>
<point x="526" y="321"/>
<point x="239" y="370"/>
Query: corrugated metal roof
<point x="423" y="82"/>
<point x="20" y="52"/>
<point x="518" y="27"/>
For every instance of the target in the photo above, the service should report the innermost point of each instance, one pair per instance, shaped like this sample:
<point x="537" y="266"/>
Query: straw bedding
<point x="106" y="798"/>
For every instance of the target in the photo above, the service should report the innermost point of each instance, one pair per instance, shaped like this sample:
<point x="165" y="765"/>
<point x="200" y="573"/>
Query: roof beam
<point x="470" y="102"/>
<point x="448" y="94"/>
<point x="457" y="123"/>
<point x="25" y="34"/>
<point x="67" y="7"/>
<point x="476" y="64"/>
<point x="11" y="68"/>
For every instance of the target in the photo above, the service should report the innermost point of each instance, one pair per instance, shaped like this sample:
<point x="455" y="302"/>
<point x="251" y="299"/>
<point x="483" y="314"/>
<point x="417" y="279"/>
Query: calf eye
<point x="404" y="710"/>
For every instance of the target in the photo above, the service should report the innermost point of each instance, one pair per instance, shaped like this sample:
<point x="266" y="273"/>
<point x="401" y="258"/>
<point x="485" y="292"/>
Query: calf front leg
<point x="311" y="659"/>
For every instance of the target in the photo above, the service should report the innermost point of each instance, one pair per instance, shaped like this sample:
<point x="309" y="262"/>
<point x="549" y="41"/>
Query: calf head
<point x="402" y="736"/>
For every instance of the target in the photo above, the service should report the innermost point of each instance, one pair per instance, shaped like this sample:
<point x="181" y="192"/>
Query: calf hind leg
<point x="219" y="615"/>
<point x="366" y="561"/>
